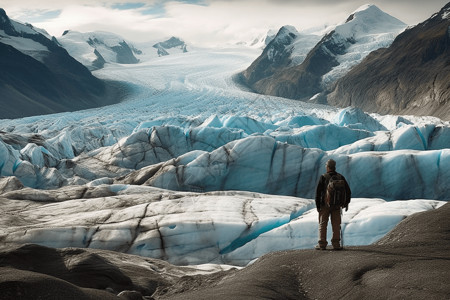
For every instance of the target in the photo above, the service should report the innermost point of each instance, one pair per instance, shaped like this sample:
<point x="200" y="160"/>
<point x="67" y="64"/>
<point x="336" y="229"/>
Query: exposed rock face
<point x="276" y="55"/>
<point x="412" y="76"/>
<point x="368" y="28"/>
<point x="99" y="62"/>
<point x="286" y="50"/>
<point x="40" y="77"/>
<point x="172" y="43"/>
<point x="122" y="50"/>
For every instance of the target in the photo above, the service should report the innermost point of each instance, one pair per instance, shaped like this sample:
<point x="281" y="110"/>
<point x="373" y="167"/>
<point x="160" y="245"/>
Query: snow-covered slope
<point x="155" y="49"/>
<point x="366" y="29"/>
<point x="344" y="46"/>
<point x="94" y="49"/>
<point x="18" y="35"/>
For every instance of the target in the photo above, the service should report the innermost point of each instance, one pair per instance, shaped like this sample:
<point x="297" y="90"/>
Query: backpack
<point x="335" y="194"/>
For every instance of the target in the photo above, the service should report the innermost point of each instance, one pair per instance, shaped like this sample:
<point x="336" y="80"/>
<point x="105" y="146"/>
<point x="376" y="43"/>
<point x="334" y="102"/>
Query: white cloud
<point x="90" y="18"/>
<point x="216" y="22"/>
<point x="220" y="21"/>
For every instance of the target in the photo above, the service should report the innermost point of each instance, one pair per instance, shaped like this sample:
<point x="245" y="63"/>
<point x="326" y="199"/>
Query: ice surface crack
<point x="137" y="229"/>
<point x="422" y="138"/>
<point x="253" y="231"/>
<point x="89" y="241"/>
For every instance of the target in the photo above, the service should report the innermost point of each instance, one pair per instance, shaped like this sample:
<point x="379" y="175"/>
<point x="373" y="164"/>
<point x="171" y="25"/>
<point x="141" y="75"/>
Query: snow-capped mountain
<point x="192" y="169"/>
<point x="365" y="30"/>
<point x="170" y="46"/>
<point x="418" y="84"/>
<point x="190" y="159"/>
<point x="39" y="77"/>
<point x="287" y="48"/>
<point x="94" y="49"/>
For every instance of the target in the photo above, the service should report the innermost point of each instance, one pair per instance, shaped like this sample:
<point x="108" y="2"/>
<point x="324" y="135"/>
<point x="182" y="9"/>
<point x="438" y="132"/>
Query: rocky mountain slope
<point x="173" y="44"/>
<point x="277" y="73"/>
<point x="412" y="76"/>
<point x="288" y="48"/>
<point x="39" y="77"/>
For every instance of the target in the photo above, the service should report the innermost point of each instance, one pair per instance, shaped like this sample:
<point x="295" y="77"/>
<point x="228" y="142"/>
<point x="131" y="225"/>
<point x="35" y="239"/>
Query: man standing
<point x="332" y="194"/>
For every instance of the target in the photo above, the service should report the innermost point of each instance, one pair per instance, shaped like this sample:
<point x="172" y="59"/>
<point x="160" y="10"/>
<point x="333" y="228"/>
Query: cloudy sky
<point x="200" y="22"/>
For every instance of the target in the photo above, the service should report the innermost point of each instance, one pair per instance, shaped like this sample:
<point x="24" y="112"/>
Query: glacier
<point x="185" y="228"/>
<point x="193" y="168"/>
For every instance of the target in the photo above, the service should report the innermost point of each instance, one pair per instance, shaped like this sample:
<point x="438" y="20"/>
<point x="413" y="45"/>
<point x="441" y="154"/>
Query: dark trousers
<point x="324" y="214"/>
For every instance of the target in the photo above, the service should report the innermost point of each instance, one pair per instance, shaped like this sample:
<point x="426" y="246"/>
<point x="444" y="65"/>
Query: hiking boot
<point x="337" y="248"/>
<point x="318" y="247"/>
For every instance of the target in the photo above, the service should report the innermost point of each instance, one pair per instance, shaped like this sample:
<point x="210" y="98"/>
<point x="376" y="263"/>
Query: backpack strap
<point x="327" y="177"/>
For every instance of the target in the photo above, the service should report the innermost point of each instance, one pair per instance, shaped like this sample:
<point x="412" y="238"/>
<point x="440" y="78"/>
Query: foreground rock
<point x="37" y="272"/>
<point x="411" y="262"/>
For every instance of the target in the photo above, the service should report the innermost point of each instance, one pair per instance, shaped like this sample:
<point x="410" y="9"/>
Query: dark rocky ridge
<point x="59" y="83"/>
<point x="303" y="81"/>
<point x="412" y="76"/>
<point x="411" y="262"/>
<point x="265" y="66"/>
<point x="173" y="42"/>
<point x="107" y="48"/>
<point x="124" y="54"/>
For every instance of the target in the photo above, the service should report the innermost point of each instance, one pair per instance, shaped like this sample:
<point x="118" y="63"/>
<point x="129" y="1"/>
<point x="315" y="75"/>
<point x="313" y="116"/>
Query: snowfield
<point x="193" y="168"/>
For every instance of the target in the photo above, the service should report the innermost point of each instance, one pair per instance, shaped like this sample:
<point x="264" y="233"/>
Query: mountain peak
<point x="371" y="13"/>
<point x="369" y="19"/>
<point x="368" y="8"/>
<point x="3" y="15"/>
<point x="94" y="49"/>
<point x="419" y="83"/>
<point x="288" y="28"/>
<point x="445" y="12"/>
<point x="5" y="23"/>
<point x="285" y="35"/>
<point x="172" y="43"/>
